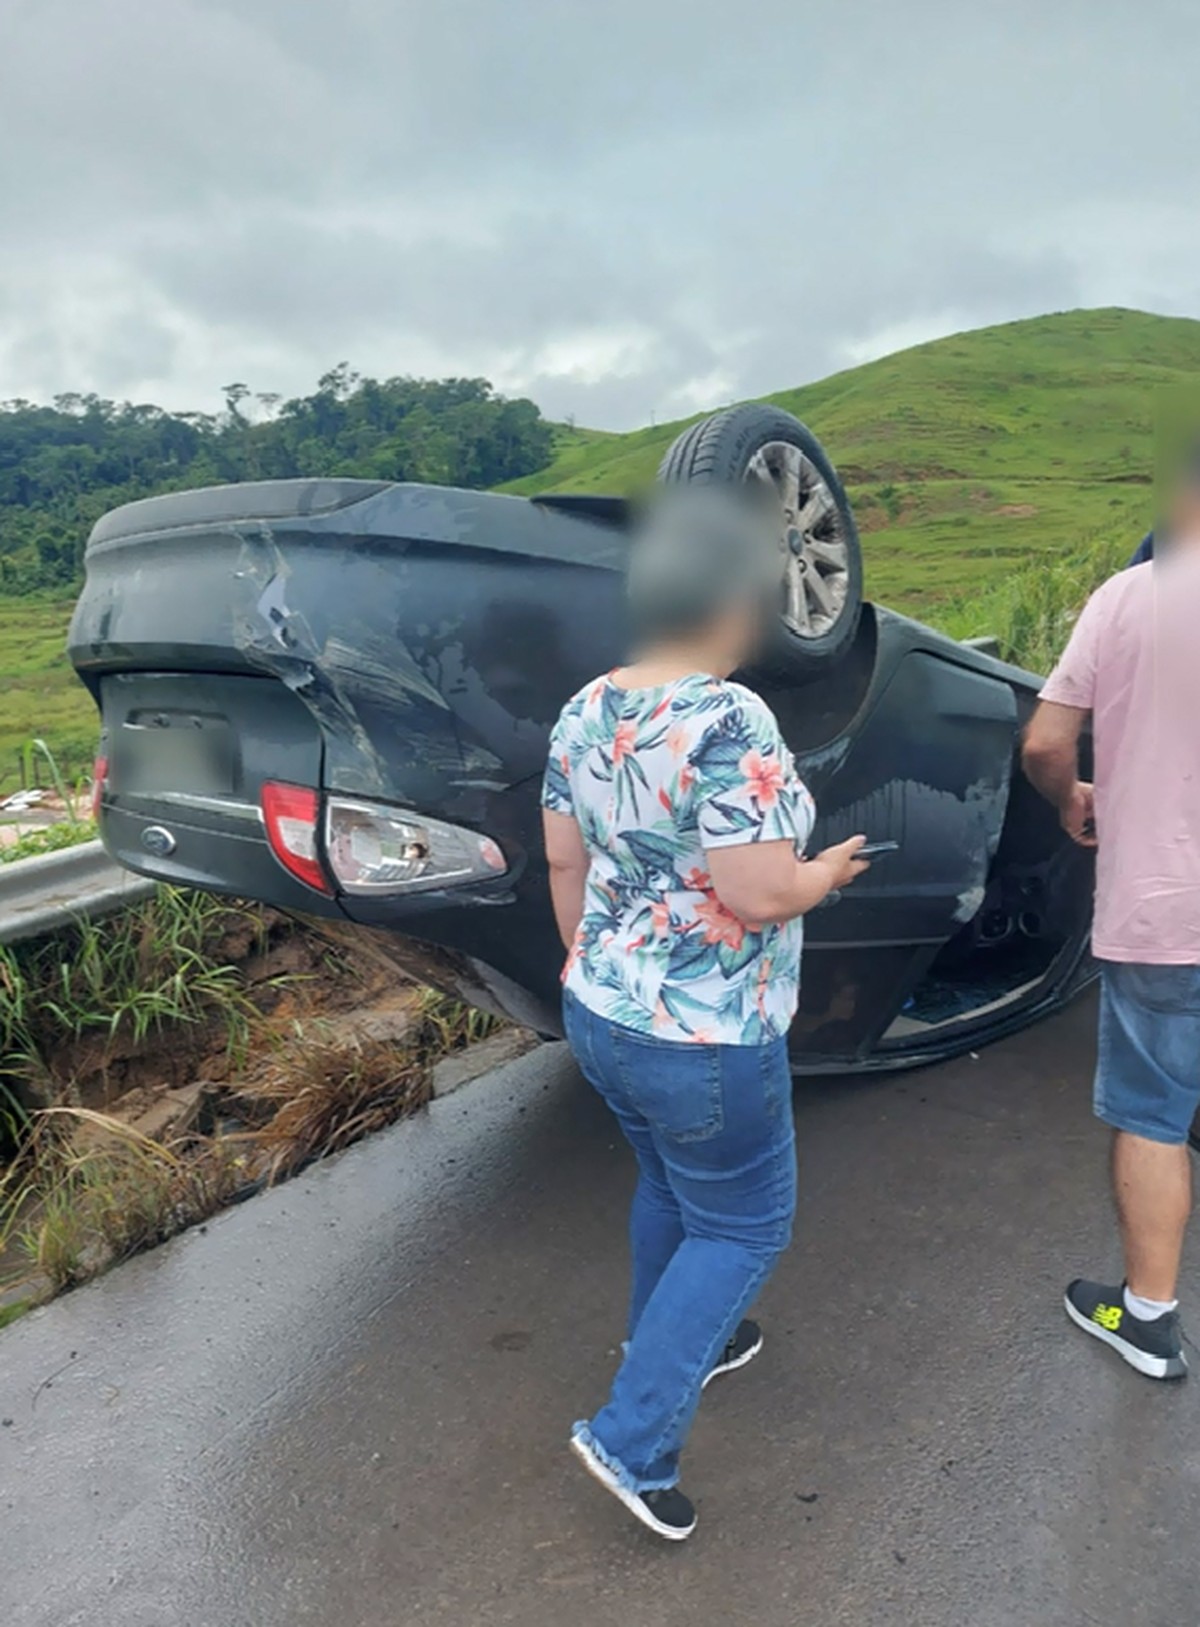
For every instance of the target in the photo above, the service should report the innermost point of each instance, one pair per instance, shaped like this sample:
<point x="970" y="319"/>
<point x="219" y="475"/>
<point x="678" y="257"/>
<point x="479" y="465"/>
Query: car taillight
<point x="290" y="813"/>
<point x="99" y="784"/>
<point x="376" y="849"/>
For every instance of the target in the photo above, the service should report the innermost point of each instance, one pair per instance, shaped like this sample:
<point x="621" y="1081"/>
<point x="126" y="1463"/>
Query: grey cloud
<point x="615" y="208"/>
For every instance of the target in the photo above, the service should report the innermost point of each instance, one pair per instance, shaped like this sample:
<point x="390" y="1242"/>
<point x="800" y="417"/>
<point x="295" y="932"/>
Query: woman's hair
<point x="699" y="551"/>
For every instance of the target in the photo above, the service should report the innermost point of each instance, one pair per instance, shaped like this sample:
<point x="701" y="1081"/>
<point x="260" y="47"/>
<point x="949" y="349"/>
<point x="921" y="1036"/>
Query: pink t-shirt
<point x="1134" y="662"/>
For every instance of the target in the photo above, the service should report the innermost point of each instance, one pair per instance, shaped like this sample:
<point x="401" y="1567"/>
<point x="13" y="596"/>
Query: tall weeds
<point x="36" y="749"/>
<point x="74" y="826"/>
<point x="122" y="979"/>
<point x="317" y="1091"/>
<point x="86" y="1191"/>
<point x="1033" y="610"/>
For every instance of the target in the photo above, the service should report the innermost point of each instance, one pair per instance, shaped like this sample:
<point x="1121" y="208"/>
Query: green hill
<point x="970" y="455"/>
<point x="995" y="475"/>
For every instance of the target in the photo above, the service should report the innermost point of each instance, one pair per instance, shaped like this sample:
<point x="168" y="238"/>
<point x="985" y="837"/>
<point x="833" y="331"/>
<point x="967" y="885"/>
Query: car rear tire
<point x="822" y="597"/>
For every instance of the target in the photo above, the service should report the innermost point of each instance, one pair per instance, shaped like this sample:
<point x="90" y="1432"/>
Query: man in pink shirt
<point x="1133" y="665"/>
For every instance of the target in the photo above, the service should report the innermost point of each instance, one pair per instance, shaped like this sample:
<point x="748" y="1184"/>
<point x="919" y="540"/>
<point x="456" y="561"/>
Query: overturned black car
<point x="335" y="696"/>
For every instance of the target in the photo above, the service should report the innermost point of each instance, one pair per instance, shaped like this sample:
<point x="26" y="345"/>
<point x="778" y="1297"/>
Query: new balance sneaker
<point x="667" y="1513"/>
<point x="1154" y="1348"/>
<point x="743" y="1347"/>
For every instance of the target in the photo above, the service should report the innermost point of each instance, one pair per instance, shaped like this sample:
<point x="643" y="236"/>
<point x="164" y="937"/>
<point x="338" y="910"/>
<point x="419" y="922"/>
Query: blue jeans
<point x="711" y="1127"/>
<point x="1148" y="1071"/>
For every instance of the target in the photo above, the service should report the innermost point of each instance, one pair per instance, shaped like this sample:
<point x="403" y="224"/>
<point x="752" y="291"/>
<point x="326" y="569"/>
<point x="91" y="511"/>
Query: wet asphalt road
<point x="345" y="1404"/>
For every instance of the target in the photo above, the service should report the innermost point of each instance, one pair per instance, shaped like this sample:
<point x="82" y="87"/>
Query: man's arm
<point x="567" y="857"/>
<point x="1051" y="750"/>
<point x="1050" y="757"/>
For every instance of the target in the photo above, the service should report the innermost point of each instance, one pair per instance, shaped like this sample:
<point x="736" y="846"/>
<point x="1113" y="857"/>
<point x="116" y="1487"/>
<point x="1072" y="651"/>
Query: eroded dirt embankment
<point x="224" y="1048"/>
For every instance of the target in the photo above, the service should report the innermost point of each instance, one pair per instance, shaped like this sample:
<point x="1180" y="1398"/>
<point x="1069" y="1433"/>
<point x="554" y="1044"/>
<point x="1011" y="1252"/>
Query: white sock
<point x="1148" y="1310"/>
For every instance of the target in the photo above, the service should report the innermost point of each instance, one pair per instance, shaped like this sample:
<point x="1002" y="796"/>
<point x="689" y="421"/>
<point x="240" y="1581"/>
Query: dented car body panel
<point x="413" y="645"/>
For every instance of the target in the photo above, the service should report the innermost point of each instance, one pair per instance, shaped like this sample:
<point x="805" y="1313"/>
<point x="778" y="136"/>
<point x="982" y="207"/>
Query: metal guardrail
<point x="40" y="895"/>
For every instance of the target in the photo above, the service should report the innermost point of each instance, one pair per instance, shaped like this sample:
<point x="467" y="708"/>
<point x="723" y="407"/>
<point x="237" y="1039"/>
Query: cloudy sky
<point x="620" y="207"/>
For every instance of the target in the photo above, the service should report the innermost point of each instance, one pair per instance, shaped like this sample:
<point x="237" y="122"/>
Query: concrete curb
<point x="463" y="1067"/>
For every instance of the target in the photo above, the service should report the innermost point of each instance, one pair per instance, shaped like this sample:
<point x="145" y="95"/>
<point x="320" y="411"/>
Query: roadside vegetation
<point x="33" y="823"/>
<point x="48" y="839"/>
<point x="1031" y="612"/>
<point x="161" y="1065"/>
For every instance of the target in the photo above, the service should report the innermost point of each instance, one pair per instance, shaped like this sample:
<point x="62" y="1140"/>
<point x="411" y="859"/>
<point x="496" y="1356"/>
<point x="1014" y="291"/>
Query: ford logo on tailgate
<point x="158" y="840"/>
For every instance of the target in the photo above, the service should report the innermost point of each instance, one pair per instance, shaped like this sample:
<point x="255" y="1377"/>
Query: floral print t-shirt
<point x="654" y="777"/>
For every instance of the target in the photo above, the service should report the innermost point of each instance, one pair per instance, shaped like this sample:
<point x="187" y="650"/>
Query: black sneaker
<point x="667" y="1513"/>
<point x="743" y="1347"/>
<point x="1154" y="1348"/>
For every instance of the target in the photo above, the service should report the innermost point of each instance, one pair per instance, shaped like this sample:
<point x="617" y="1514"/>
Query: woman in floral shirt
<point x="675" y="832"/>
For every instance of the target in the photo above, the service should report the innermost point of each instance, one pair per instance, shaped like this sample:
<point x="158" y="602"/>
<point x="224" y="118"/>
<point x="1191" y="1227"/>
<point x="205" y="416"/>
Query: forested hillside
<point x="62" y="466"/>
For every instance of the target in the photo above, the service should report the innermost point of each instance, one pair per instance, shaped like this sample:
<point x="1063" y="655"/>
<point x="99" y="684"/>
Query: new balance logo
<point x="1108" y="1316"/>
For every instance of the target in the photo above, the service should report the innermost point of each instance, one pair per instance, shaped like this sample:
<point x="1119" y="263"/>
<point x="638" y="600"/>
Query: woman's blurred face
<point x="702" y="571"/>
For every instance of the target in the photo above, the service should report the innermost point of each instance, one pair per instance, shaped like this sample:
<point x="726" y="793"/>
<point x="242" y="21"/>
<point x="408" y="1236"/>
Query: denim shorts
<point x="1148" y="1073"/>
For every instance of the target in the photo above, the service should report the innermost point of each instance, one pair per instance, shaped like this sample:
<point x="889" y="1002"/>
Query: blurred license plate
<point x="174" y="753"/>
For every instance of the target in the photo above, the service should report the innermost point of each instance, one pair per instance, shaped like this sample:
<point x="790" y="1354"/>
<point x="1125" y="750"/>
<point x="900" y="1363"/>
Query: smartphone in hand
<point x="870" y="850"/>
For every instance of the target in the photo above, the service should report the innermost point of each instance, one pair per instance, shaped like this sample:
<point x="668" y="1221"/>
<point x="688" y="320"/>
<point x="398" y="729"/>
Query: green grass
<point x="48" y="839"/>
<point x="39" y="693"/>
<point x="152" y="968"/>
<point x="967" y="460"/>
